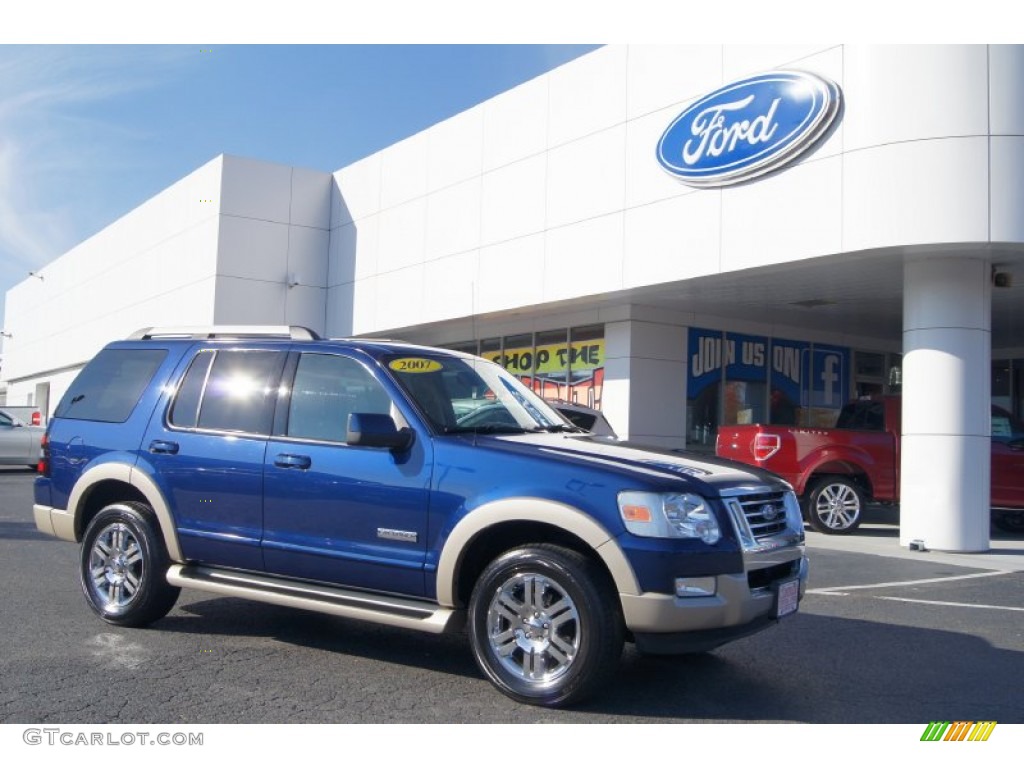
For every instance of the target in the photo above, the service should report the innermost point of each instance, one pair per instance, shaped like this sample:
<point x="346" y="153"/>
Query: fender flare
<point x="535" y="510"/>
<point x="144" y="484"/>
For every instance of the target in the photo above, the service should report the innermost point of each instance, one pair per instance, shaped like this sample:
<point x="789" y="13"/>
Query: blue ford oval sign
<point x="748" y="128"/>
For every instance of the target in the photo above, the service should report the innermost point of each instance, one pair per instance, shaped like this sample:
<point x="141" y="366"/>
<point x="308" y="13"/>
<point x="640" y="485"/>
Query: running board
<point x="381" y="609"/>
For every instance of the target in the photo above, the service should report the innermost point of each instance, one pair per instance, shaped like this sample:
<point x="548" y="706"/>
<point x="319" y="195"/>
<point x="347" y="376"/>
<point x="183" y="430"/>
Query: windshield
<point x="459" y="395"/>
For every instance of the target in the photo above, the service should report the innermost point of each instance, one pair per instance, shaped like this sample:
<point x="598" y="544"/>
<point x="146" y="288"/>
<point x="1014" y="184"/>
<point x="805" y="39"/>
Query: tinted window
<point x="109" y="387"/>
<point x="580" y="419"/>
<point x="867" y="415"/>
<point x="327" y="389"/>
<point x="235" y="390"/>
<point x="185" y="411"/>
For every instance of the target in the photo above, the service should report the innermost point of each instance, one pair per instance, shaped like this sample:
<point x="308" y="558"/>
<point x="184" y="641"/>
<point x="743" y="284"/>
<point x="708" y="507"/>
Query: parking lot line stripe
<point x="840" y="590"/>
<point x="952" y="605"/>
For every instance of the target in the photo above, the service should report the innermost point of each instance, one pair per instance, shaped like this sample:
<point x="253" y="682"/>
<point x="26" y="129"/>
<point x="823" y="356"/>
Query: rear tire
<point x="545" y="625"/>
<point x="835" y="505"/>
<point x="123" y="567"/>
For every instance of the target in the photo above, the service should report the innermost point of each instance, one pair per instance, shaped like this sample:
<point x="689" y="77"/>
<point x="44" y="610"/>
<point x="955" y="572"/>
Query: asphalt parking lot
<point x="883" y="636"/>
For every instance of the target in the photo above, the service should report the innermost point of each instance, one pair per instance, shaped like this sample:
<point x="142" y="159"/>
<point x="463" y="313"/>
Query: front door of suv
<point x="339" y="513"/>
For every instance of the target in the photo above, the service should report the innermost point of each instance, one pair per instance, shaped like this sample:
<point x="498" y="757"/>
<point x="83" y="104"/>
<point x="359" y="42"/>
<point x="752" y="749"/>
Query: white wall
<point x="155" y="265"/>
<point x="551" y="191"/>
<point x="221" y="245"/>
<point x="272" y="245"/>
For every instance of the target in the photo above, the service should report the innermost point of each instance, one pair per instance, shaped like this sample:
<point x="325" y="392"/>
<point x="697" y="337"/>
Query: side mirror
<point x="377" y="430"/>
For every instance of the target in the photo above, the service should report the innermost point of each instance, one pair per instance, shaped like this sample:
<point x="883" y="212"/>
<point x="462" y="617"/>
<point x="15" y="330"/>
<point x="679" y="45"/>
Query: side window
<point x="110" y="386"/>
<point x="6" y="421"/>
<point x="229" y="391"/>
<point x="327" y="389"/>
<point x="185" y="411"/>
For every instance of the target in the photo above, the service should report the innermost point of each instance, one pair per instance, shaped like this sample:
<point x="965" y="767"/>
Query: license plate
<point x="788" y="598"/>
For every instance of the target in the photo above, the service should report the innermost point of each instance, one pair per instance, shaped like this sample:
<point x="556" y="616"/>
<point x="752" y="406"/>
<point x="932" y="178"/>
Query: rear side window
<point x="229" y="391"/>
<point x="109" y="387"/>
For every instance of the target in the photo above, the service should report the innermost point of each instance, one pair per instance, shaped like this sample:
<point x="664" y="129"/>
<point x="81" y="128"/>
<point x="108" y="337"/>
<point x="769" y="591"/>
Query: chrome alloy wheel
<point x="115" y="566"/>
<point x="837" y="506"/>
<point x="533" y="628"/>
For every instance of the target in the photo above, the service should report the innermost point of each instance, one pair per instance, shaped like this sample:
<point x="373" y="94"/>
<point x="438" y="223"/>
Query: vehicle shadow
<point x="822" y="669"/>
<point x="229" y="616"/>
<point x="811" y="669"/>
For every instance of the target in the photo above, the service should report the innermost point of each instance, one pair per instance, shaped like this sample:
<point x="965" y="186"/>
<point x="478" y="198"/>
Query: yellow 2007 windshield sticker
<point x="415" y="365"/>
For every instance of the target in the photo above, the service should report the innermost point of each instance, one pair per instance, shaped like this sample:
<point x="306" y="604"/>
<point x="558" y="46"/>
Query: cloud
<point x="51" y="128"/>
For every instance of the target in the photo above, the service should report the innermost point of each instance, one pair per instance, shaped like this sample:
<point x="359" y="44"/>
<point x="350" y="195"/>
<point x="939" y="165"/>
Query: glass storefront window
<point x="1002" y="381"/>
<point x="704" y="387"/>
<point x="586" y="365"/>
<point x="517" y="357"/>
<point x="1018" y="389"/>
<point x="787" y="400"/>
<point x="563" y="364"/>
<point x="552" y="379"/>
<point x="746" y="383"/>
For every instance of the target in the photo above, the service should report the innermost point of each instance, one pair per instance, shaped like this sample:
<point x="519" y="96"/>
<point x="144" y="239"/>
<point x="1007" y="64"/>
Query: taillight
<point x="37" y="418"/>
<point x="765" y="446"/>
<point x="43" y="468"/>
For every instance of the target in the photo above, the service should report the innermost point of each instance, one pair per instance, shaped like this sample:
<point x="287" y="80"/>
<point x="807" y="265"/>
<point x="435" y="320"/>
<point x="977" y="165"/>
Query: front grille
<point x="765" y="577"/>
<point x="765" y="513"/>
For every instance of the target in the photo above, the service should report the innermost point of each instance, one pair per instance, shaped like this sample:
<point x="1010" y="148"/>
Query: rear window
<point x="868" y="415"/>
<point x="109" y="387"/>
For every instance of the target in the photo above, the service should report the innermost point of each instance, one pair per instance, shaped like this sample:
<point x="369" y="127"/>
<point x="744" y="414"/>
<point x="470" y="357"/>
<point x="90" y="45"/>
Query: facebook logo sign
<point x="829" y="376"/>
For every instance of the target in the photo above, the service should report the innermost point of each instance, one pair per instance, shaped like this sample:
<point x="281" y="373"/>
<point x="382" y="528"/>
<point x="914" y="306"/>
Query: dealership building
<point x="684" y="237"/>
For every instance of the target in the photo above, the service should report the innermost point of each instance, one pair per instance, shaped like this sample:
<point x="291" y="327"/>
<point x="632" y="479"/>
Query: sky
<point x="89" y="132"/>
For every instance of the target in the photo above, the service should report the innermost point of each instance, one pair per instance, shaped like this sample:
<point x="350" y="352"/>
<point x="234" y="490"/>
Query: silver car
<point x="19" y="442"/>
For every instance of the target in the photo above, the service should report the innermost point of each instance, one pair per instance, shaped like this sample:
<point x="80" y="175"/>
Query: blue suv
<point x="406" y="485"/>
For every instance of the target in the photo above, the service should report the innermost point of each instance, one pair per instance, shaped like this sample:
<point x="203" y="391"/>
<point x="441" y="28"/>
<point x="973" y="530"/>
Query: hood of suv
<point x="650" y="462"/>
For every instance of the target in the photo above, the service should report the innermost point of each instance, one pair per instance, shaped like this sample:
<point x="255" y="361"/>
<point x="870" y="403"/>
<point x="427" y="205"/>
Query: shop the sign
<point x="748" y="128"/>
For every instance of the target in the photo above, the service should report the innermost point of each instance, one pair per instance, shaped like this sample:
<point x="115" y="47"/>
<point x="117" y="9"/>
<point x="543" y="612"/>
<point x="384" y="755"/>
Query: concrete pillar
<point x="645" y="381"/>
<point x="946" y="446"/>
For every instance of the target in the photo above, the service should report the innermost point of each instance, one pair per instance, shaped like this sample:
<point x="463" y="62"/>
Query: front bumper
<point x="742" y="604"/>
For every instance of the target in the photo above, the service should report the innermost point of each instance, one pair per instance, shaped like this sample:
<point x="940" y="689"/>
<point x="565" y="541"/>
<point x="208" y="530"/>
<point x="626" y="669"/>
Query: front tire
<point x="123" y="568"/>
<point x="545" y="625"/>
<point x="835" y="505"/>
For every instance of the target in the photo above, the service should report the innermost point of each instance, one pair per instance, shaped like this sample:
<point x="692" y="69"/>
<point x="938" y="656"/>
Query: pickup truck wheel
<point x="545" y="625"/>
<point x="124" y="566"/>
<point x="835" y="505"/>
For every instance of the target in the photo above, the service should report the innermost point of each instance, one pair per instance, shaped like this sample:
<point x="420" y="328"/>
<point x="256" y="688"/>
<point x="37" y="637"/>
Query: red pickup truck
<point x="837" y="471"/>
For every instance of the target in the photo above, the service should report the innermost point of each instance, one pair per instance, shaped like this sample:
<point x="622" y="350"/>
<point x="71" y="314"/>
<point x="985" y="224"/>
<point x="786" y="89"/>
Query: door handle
<point x="291" y="461"/>
<point x="163" y="446"/>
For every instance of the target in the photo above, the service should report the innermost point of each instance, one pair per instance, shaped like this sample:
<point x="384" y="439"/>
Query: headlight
<point x="669" y="516"/>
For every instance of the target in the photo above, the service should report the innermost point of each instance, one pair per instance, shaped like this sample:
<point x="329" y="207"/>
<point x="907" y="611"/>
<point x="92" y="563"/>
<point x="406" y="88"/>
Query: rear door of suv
<point x="206" y="452"/>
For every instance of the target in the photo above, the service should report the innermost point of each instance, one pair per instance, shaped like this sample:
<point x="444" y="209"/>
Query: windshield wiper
<point x="559" y="428"/>
<point x="486" y="429"/>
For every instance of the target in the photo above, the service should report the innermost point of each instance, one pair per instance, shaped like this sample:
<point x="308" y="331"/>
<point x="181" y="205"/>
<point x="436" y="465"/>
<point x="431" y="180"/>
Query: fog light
<point x="701" y="586"/>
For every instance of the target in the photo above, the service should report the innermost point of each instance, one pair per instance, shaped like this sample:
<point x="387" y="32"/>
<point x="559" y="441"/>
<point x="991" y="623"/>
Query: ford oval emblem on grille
<point x="768" y="512"/>
<point x="748" y="128"/>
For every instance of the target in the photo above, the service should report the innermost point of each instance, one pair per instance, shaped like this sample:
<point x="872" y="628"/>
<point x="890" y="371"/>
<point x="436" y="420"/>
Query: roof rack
<point x="294" y="332"/>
